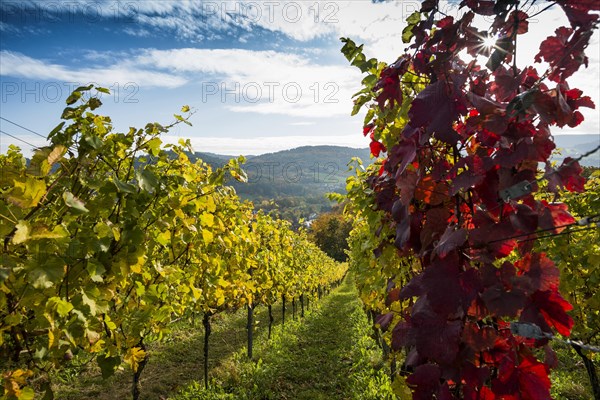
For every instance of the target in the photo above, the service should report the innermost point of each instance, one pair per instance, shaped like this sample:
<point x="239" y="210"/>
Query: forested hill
<point x="300" y="171"/>
<point x="296" y="179"/>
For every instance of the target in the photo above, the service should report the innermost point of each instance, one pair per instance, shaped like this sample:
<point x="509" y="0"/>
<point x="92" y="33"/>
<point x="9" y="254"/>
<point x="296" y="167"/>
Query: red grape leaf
<point x="436" y="221"/>
<point x="436" y="337"/>
<point x="431" y="192"/>
<point x="550" y="357"/>
<point x="527" y="381"/>
<point x="554" y="215"/>
<point x="502" y="302"/>
<point x="552" y="308"/>
<point x="402" y="335"/>
<point x="442" y="286"/>
<point x="384" y="321"/>
<point x="436" y="108"/>
<point x="568" y="176"/>
<point x="564" y="52"/>
<point x="578" y="12"/>
<point x="540" y="270"/>
<point x="389" y="84"/>
<point x="479" y="339"/>
<point x="474" y="175"/>
<point x="450" y="240"/>
<point x="403" y="154"/>
<point x="413" y="288"/>
<point x="516" y="19"/>
<point x="425" y="381"/>
<point x="377" y="148"/>
<point x="407" y="183"/>
<point x="525" y="219"/>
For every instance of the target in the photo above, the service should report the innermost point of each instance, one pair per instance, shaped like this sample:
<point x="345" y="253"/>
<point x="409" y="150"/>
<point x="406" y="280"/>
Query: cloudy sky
<point x="261" y="75"/>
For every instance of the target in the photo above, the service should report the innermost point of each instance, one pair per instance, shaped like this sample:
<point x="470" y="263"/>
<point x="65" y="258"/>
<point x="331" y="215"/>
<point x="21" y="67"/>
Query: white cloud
<point x="304" y="123"/>
<point x="137" y="32"/>
<point x="266" y="82"/>
<point x="263" y="82"/>
<point x="261" y="145"/>
<point x="19" y="65"/>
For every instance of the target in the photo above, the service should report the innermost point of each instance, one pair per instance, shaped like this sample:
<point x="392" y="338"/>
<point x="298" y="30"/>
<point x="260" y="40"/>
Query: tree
<point x="330" y="232"/>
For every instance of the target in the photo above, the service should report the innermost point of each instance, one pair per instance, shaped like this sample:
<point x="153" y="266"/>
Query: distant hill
<point x="300" y="171"/>
<point x="296" y="179"/>
<point x="577" y="145"/>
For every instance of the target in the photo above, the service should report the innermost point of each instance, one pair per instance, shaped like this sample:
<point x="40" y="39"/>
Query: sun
<point x="489" y="42"/>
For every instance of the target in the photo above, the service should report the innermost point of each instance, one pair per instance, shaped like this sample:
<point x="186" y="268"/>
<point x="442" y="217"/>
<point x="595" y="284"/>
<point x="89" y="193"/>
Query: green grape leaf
<point x="153" y="146"/>
<point x="73" y="97"/>
<point x="123" y="187"/>
<point x="76" y="205"/>
<point x="108" y="365"/>
<point x="62" y="307"/>
<point x="147" y="180"/>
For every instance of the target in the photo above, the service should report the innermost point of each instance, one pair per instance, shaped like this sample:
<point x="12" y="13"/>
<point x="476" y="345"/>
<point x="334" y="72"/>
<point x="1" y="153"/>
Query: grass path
<point x="318" y="364"/>
<point x="326" y="355"/>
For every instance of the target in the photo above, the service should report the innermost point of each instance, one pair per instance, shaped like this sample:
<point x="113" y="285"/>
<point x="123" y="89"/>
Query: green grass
<point x="569" y="380"/>
<point x="329" y="355"/>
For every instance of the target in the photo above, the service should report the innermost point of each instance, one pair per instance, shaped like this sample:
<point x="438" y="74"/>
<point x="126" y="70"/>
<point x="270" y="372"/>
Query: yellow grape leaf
<point x="197" y="293"/>
<point x="27" y="194"/>
<point x="22" y="232"/>
<point x="116" y="233"/>
<point x="50" y="338"/>
<point x="20" y="376"/>
<point x="98" y="346"/>
<point x="134" y="356"/>
<point x="27" y="393"/>
<point x="207" y="236"/>
<point x="207" y="219"/>
<point x="136" y="268"/>
<point x="164" y="238"/>
<point x="56" y="154"/>
<point x="42" y="232"/>
<point x="13" y="382"/>
<point x="220" y="297"/>
<point x="210" y="204"/>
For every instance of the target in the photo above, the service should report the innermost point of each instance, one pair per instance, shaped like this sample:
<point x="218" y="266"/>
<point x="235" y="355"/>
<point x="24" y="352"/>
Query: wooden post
<point x="250" y="328"/>
<point x="207" y="331"/>
<point x="283" y="310"/>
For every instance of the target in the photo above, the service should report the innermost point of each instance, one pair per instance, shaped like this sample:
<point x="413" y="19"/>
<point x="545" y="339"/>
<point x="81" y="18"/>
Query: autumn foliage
<point x="456" y="194"/>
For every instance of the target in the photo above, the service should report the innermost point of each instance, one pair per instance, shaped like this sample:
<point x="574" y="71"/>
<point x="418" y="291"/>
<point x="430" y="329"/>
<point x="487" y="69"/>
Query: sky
<point x="261" y="76"/>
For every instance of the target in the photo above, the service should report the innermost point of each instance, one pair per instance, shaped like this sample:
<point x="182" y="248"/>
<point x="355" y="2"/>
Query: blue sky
<point x="261" y="75"/>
